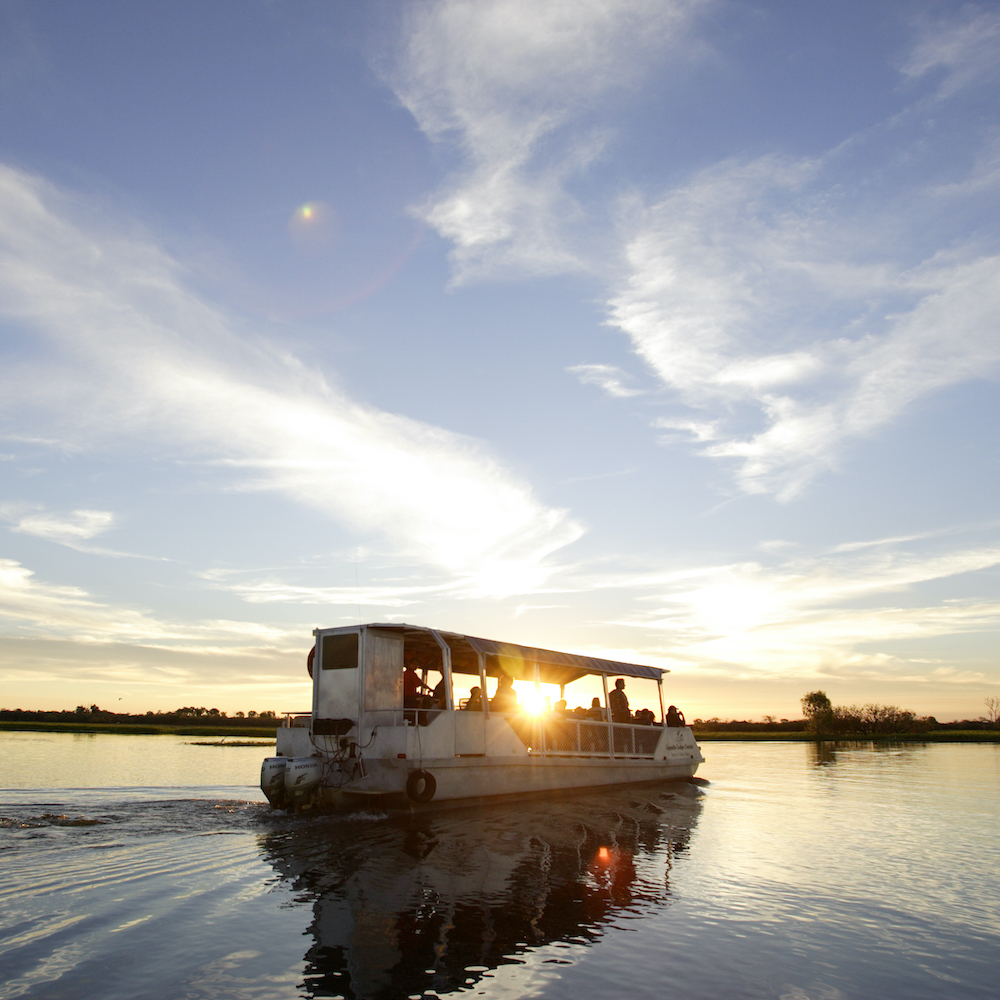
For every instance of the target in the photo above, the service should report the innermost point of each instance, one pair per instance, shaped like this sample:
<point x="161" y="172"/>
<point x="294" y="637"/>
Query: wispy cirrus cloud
<point x="832" y="613"/>
<point x="132" y="354"/>
<point x="64" y="635"/>
<point x="31" y="606"/>
<point x="501" y="81"/>
<point x="255" y="588"/>
<point x="72" y="527"/>
<point x="607" y="377"/>
<point x="963" y="47"/>
<point x="797" y="305"/>
<point x="792" y="305"/>
<point x="749" y="257"/>
<point x="846" y="612"/>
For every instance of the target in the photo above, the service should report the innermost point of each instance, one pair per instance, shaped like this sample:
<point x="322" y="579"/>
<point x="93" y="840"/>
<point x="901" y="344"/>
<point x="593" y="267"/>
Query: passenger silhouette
<point x="505" y="699"/>
<point x="619" y="703"/>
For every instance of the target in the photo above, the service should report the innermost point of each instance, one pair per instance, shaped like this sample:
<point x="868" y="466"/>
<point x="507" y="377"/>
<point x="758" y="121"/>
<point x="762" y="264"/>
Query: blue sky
<point x="660" y="330"/>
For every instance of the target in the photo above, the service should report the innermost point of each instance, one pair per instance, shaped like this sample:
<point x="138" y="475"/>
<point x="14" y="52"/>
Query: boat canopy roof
<point x="510" y="658"/>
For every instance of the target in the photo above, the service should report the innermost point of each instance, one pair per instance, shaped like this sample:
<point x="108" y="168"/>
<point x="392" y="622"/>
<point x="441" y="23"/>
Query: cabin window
<point x="340" y="652"/>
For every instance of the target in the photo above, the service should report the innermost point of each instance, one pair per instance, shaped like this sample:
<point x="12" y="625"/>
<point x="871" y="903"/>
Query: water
<point x="853" y="872"/>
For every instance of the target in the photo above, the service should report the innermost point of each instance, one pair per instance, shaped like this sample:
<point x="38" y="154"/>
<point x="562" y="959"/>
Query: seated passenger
<point x="437" y="695"/>
<point x="505" y="699"/>
<point x="560" y="708"/>
<point x="675" y="718"/>
<point x="596" y="712"/>
<point x="644" y="717"/>
<point x="475" y="702"/>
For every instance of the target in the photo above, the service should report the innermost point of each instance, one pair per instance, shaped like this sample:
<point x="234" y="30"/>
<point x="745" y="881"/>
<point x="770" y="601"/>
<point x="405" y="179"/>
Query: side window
<point x="340" y="652"/>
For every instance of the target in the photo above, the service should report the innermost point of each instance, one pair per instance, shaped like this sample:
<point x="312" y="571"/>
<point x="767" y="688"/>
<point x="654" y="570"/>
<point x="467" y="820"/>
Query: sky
<point x="661" y="330"/>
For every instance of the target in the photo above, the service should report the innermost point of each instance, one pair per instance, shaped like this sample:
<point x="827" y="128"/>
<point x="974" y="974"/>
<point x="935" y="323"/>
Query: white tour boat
<point x="371" y="733"/>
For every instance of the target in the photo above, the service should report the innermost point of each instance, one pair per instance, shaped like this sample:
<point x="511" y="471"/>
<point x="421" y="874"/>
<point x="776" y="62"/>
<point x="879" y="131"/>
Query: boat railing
<point x="566" y="737"/>
<point x="546" y="735"/>
<point x="300" y="719"/>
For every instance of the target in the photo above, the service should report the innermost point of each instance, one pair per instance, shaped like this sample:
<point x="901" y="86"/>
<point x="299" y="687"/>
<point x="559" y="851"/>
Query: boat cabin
<point x="359" y="686"/>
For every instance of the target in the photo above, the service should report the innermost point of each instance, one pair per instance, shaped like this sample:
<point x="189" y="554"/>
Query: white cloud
<point x="607" y="377"/>
<point x="690" y="430"/>
<point x="56" y="610"/>
<point x="273" y="590"/>
<point x="42" y="611"/>
<point x="73" y="527"/>
<point x="966" y="48"/>
<point x="501" y="80"/>
<point x="750" y="257"/>
<point x="786" y="299"/>
<point x="138" y="356"/>
<point x="815" y="614"/>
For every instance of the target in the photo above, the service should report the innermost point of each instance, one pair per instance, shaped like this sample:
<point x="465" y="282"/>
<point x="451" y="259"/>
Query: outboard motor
<point x="302" y="780"/>
<point x="272" y="780"/>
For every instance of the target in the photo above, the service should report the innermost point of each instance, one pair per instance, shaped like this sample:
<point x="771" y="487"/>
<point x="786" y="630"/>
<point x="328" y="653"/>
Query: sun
<point x="534" y="702"/>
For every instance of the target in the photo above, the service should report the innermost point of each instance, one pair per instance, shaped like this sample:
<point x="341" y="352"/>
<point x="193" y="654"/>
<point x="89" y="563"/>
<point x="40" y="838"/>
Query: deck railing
<point x="540" y="734"/>
<point x="580" y="736"/>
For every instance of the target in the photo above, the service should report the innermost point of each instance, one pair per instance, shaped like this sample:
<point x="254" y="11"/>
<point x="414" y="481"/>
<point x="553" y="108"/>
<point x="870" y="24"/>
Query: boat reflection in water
<point x="432" y="901"/>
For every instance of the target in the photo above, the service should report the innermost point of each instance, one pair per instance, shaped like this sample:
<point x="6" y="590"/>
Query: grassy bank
<point x="942" y="736"/>
<point x="138" y="729"/>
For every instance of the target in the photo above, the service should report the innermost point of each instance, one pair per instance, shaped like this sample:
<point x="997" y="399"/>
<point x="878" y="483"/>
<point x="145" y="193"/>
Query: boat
<point x="372" y="735"/>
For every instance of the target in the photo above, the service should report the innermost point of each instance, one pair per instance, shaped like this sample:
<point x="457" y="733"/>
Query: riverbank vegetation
<point x="824" y="720"/>
<point x="821" y="720"/>
<point x="187" y="721"/>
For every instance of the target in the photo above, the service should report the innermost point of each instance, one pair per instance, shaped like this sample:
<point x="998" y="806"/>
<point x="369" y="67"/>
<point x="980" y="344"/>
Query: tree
<point x="818" y="710"/>
<point x="992" y="710"/>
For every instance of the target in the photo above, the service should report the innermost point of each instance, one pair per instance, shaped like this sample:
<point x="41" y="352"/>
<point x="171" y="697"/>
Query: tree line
<point x="823" y="717"/>
<point x="187" y="715"/>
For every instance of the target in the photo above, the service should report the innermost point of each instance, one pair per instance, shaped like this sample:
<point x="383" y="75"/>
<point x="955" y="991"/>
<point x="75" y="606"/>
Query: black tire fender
<point x="421" y="786"/>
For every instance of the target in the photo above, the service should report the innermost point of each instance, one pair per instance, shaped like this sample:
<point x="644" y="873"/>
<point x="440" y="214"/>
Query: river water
<point x="148" y="867"/>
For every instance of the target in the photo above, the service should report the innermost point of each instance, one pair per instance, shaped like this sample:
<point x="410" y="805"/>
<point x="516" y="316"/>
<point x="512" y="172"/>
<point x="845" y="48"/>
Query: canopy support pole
<point x="538" y="702"/>
<point x="446" y="674"/>
<point x="484" y="695"/>
<point x="607" y="710"/>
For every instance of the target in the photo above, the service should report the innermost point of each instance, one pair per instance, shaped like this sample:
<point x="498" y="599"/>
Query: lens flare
<point x="313" y="226"/>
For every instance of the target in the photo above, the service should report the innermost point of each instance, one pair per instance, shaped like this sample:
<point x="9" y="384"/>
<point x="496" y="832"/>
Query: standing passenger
<point x="619" y="703"/>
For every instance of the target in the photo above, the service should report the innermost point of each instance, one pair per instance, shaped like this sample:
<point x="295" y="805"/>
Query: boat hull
<point x="465" y="778"/>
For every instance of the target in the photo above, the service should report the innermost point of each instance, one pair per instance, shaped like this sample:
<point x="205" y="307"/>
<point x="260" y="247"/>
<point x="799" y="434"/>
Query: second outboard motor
<point x="272" y="780"/>
<point x="302" y="780"/>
